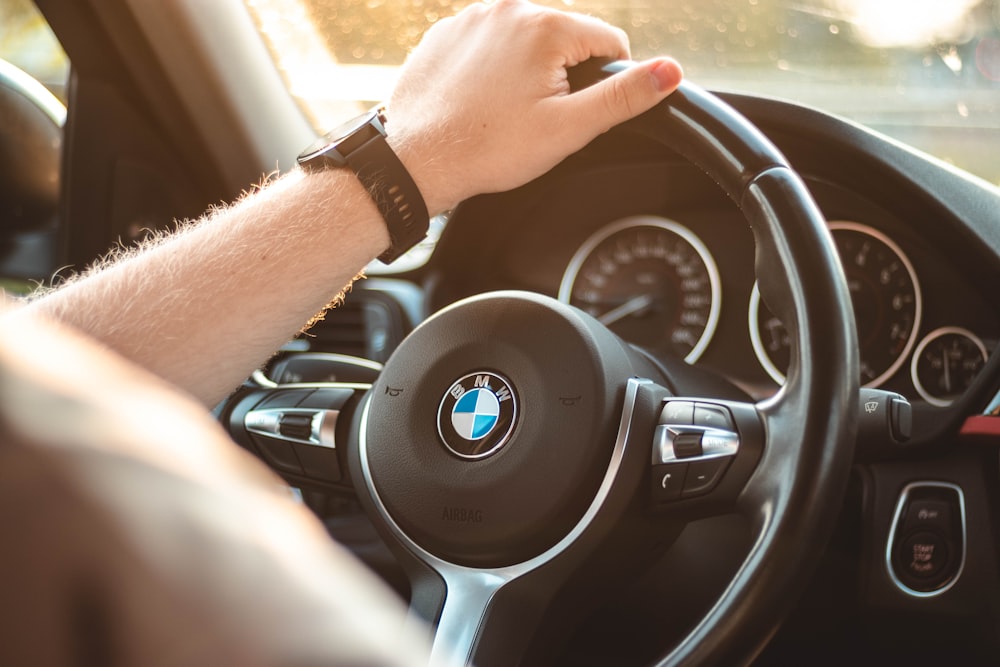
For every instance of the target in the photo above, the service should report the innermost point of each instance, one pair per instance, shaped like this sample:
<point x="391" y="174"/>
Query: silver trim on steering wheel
<point x="470" y="590"/>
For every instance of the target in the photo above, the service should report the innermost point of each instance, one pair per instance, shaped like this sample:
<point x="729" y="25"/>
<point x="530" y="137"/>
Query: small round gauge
<point x="650" y="280"/>
<point x="887" y="306"/>
<point x="945" y="363"/>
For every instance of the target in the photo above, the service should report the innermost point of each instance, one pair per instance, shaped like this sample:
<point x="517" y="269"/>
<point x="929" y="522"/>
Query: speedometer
<point x="887" y="306"/>
<point x="650" y="280"/>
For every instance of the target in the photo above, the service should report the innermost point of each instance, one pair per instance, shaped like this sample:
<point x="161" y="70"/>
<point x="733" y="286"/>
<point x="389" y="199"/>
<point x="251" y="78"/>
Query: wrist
<point x="344" y="188"/>
<point x="361" y="146"/>
<point x="427" y="174"/>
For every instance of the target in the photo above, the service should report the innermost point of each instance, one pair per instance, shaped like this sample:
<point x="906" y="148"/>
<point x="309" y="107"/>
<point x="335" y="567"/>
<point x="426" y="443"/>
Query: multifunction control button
<point x="713" y="416"/>
<point x="702" y="476"/>
<point x="295" y="430"/>
<point x="677" y="412"/>
<point x="693" y="445"/>
<point x="667" y="481"/>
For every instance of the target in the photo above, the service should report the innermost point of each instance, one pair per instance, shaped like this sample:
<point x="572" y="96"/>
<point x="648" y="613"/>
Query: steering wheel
<point x="514" y="451"/>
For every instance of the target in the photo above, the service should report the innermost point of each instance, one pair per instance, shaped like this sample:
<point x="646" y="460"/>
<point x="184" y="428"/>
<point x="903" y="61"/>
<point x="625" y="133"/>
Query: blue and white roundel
<point x="477" y="415"/>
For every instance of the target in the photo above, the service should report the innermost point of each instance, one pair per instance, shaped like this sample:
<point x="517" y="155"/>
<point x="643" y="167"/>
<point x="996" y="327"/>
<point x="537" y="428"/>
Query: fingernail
<point x="667" y="74"/>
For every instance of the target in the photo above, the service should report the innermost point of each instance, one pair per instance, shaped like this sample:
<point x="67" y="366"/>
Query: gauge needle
<point x="947" y="370"/>
<point x="631" y="306"/>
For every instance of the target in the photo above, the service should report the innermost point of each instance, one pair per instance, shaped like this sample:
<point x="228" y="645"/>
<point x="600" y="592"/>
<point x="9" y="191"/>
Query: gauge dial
<point x="887" y="306"/>
<point x="651" y="280"/>
<point x="945" y="363"/>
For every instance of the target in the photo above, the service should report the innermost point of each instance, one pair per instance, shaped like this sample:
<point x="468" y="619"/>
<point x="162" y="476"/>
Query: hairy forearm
<point x="205" y="306"/>
<point x="483" y="105"/>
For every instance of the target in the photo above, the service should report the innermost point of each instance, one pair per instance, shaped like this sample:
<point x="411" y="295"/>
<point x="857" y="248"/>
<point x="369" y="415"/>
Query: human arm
<point x="137" y="534"/>
<point x="482" y="105"/>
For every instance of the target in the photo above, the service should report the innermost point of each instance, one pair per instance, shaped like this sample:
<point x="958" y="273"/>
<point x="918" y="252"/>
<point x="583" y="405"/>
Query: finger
<point x="595" y="39"/>
<point x="625" y="95"/>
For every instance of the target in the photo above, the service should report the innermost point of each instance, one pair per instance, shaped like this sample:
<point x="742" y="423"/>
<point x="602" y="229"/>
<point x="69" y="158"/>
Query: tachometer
<point x="887" y="306"/>
<point x="651" y="280"/>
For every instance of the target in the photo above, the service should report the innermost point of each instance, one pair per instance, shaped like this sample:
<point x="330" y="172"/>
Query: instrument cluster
<point x="655" y="282"/>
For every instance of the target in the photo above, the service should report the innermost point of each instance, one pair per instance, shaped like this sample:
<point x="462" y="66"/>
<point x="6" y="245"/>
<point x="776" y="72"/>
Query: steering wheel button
<point x="713" y="416"/>
<point x="667" y="481"/>
<point x="719" y="443"/>
<point x="278" y="453"/>
<point x="327" y="398"/>
<point x="677" y="412"/>
<point x="285" y="398"/>
<point x="702" y="476"/>
<point x="687" y="445"/>
<point x="296" y="426"/>
<point x="263" y="421"/>
<point x="319" y="462"/>
<point x="663" y="445"/>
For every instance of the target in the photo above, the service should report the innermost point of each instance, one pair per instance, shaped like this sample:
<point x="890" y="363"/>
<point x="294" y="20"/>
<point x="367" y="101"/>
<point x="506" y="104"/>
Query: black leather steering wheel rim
<point x="799" y="484"/>
<point x="810" y="424"/>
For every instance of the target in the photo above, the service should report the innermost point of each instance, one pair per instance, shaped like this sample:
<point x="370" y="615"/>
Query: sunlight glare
<point x="913" y="23"/>
<point x="331" y="90"/>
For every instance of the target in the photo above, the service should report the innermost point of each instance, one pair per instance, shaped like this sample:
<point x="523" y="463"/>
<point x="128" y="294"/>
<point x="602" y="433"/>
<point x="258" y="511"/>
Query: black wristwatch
<point x="360" y="144"/>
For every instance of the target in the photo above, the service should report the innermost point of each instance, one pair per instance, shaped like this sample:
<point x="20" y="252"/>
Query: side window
<point x="33" y="75"/>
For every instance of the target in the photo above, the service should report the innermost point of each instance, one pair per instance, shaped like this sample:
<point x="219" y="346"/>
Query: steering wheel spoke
<point x="486" y="615"/>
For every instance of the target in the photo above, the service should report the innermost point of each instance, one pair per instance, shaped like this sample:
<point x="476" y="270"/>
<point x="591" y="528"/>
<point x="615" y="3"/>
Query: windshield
<point x="27" y="42"/>
<point x="926" y="72"/>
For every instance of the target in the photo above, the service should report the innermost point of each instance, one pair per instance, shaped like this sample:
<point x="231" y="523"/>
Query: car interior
<point x="750" y="345"/>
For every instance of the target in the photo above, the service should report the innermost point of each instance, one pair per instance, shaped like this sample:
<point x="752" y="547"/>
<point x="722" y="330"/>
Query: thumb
<point x="626" y="94"/>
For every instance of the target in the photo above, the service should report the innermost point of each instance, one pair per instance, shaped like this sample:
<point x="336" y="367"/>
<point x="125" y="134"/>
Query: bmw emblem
<point x="477" y="415"/>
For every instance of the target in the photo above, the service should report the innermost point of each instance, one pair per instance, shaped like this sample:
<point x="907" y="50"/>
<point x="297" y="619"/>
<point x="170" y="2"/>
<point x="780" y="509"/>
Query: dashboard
<point x="651" y="247"/>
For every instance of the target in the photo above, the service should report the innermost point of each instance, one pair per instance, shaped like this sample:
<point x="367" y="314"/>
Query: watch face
<point x="341" y="141"/>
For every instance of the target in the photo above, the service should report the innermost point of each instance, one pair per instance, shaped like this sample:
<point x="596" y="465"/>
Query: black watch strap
<point x="398" y="198"/>
<point x="360" y="145"/>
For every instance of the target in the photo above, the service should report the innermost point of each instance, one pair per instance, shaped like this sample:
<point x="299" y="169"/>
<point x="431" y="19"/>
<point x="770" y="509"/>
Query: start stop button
<point x="926" y="547"/>
<point x="923" y="555"/>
